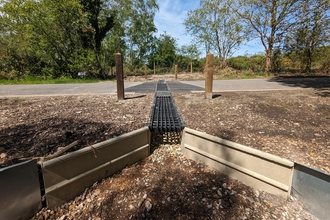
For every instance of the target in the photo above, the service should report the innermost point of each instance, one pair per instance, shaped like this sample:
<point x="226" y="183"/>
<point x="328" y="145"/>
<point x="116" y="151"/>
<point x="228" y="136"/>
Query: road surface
<point x="175" y="86"/>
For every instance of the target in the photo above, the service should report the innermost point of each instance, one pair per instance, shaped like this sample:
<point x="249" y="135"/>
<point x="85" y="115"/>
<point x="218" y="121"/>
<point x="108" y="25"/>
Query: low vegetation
<point x="47" y="80"/>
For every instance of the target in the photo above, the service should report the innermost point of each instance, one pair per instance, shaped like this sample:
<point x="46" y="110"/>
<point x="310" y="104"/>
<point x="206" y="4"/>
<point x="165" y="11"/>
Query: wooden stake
<point x="176" y="72"/>
<point x="154" y="68"/>
<point x="146" y="71"/>
<point x="191" y="70"/>
<point x="209" y="75"/>
<point x="120" y="77"/>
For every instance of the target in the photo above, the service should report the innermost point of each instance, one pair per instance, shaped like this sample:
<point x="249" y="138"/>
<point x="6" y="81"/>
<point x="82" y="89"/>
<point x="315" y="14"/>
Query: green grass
<point x="242" y="76"/>
<point x="19" y="100"/>
<point x="40" y="80"/>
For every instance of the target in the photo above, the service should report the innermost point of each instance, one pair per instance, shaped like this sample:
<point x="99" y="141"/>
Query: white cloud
<point x="171" y="16"/>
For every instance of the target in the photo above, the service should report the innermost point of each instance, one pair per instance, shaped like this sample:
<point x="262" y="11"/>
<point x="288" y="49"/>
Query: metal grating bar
<point x="164" y="116"/>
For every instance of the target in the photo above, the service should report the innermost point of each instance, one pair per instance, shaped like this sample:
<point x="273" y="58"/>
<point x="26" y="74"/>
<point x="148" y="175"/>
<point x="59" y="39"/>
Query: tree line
<point x="56" y="38"/>
<point x="72" y="38"/>
<point x="295" y="29"/>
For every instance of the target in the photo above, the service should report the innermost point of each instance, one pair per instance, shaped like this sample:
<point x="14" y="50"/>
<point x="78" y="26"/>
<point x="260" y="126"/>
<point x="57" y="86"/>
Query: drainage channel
<point x="164" y="115"/>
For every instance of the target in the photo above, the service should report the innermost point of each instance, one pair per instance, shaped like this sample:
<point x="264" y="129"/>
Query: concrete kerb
<point x="254" y="168"/>
<point x="67" y="176"/>
<point x="260" y="170"/>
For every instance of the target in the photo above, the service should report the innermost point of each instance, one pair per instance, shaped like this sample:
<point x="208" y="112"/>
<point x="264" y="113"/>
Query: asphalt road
<point x="175" y="86"/>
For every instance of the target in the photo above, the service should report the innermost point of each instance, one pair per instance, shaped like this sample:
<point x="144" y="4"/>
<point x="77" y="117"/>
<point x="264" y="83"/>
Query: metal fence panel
<point x="20" y="191"/>
<point x="312" y="188"/>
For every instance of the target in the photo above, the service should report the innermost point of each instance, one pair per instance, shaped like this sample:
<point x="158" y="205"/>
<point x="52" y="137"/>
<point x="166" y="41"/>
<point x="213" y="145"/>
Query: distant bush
<point x="255" y="63"/>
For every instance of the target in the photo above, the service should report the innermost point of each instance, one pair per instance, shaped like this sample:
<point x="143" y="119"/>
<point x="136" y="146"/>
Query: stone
<point x="96" y="192"/>
<point x="131" y="207"/>
<point x="148" y="205"/>
<point x="63" y="217"/>
<point x="257" y="193"/>
<point x="219" y="193"/>
<point x="250" y="199"/>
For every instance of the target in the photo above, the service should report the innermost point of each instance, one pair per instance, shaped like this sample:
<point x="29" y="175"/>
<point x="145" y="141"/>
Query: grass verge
<point x="42" y="80"/>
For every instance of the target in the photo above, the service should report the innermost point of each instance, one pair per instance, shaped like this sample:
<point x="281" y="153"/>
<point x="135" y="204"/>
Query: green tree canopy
<point x="59" y="37"/>
<point x="269" y="20"/>
<point x="164" y="51"/>
<point x="215" y="25"/>
<point x="191" y="51"/>
<point x="311" y="31"/>
<point x="42" y="36"/>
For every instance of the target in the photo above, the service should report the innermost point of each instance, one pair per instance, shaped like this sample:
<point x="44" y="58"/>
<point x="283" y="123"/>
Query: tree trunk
<point x="308" y="67"/>
<point x="223" y="63"/>
<point x="268" y="60"/>
<point x="271" y="37"/>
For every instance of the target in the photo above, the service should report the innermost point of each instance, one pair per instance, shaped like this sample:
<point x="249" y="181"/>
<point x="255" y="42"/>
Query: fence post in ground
<point x="146" y="71"/>
<point x="154" y="68"/>
<point x="191" y="69"/>
<point x="176" y="72"/>
<point x="120" y="76"/>
<point x="209" y="75"/>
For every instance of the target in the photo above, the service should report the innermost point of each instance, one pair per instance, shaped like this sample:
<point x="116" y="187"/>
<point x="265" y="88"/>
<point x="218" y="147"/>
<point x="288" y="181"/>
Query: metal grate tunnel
<point x="164" y="116"/>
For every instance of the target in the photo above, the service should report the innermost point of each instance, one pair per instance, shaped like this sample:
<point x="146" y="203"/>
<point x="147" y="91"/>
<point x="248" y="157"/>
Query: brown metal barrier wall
<point x="68" y="176"/>
<point x="254" y="168"/>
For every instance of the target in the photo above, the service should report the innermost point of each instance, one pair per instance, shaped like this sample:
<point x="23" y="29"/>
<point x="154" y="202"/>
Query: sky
<point x="171" y="16"/>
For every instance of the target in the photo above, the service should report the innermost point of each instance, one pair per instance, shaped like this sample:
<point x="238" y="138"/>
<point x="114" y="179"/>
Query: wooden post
<point x="120" y="76"/>
<point x="191" y="70"/>
<point x="146" y="71"/>
<point x="209" y="75"/>
<point x="154" y="68"/>
<point x="176" y="72"/>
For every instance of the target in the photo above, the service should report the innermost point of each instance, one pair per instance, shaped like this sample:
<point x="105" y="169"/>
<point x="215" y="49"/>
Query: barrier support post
<point x="176" y="72"/>
<point x="209" y="75"/>
<point x="120" y="76"/>
<point x="146" y="71"/>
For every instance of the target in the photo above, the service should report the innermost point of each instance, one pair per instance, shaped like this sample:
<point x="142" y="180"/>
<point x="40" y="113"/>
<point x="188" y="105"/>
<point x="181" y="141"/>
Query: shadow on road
<point x="323" y="92"/>
<point x="182" y="87"/>
<point x="146" y="87"/>
<point x="175" y="87"/>
<point x="322" y="82"/>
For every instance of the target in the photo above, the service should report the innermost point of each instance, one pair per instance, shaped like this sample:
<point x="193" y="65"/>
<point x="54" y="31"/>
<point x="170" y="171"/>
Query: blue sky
<point x="171" y="16"/>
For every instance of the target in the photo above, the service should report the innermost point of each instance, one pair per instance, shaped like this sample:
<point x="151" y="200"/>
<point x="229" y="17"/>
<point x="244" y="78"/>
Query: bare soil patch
<point x="38" y="126"/>
<point x="291" y="124"/>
